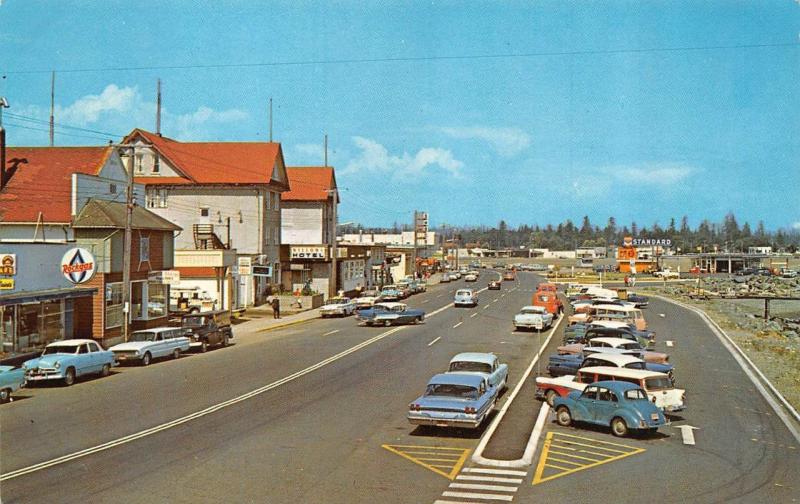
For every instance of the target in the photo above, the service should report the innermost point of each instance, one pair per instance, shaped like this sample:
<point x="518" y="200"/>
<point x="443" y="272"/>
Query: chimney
<point x="3" y="178"/>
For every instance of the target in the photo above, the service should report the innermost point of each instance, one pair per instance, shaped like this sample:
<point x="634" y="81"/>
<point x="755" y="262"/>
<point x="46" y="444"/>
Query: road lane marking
<point x="687" y="433"/>
<point x="331" y="332"/>
<point x="494" y="300"/>
<point x="486" y="307"/>
<point x="476" y="486"/>
<point x="198" y="414"/>
<point x="457" y="325"/>
<point x="473" y="495"/>
<point x="491" y="479"/>
<point x="482" y="470"/>
<point x="434" y="341"/>
<point x="473" y="315"/>
<point x="430" y="456"/>
<point x="564" y="454"/>
<point x="669" y="343"/>
<point x="440" y="295"/>
<point x="425" y="301"/>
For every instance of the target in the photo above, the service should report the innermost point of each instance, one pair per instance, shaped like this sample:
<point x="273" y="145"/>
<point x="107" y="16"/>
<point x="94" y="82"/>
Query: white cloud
<point x="119" y="109"/>
<point x="374" y="157"/>
<point x="661" y="174"/>
<point x="796" y="225"/>
<point x="506" y="141"/>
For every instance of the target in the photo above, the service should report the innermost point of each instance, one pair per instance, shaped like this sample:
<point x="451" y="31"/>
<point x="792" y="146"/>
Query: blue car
<point x="11" y="380"/>
<point x="454" y="400"/>
<point x="386" y="314"/>
<point x="621" y="405"/>
<point x="68" y="359"/>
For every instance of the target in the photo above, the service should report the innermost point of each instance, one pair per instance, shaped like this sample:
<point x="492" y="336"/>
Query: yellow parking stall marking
<point x="564" y="454"/>
<point x="428" y="456"/>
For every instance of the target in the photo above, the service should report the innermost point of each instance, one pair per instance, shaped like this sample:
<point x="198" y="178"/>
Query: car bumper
<point x="127" y="358"/>
<point x="471" y="423"/>
<point x="524" y="325"/>
<point x="43" y="376"/>
<point x="331" y="313"/>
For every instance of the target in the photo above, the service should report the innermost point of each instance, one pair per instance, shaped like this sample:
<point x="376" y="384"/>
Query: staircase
<point x="205" y="238"/>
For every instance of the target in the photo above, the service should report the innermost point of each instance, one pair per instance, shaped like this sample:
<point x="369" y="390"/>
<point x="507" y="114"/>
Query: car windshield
<point x="479" y="367"/>
<point x="635" y="395"/>
<point x="531" y="312"/>
<point x="338" y="301"/>
<point x="658" y="383"/>
<point x="463" y="293"/>
<point x="451" y="390"/>
<point x="636" y="365"/>
<point x="143" y="336"/>
<point x="57" y="349"/>
<point x="193" y="321"/>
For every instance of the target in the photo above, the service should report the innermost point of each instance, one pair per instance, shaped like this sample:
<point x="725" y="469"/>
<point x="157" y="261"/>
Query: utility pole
<point x="52" y="107"/>
<point x="414" y="257"/>
<point x="126" y="259"/>
<point x="270" y="120"/>
<point x="334" y="251"/>
<point x="158" y="107"/>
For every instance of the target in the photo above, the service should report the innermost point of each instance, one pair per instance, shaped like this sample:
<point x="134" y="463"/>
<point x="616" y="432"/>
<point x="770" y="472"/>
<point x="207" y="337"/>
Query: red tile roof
<point x="309" y="183"/>
<point x="42" y="181"/>
<point x="214" y="162"/>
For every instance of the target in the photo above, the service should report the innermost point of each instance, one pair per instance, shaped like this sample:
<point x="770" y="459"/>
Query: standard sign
<point x="78" y="265"/>
<point x="651" y="242"/>
<point x="8" y="264"/>
<point x="308" y="252"/>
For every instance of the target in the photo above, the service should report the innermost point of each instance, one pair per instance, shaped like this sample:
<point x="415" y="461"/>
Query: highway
<point x="316" y="413"/>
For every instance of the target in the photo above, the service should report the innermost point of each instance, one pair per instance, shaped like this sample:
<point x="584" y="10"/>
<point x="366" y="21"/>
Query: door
<point x="604" y="406"/>
<point x="588" y="400"/>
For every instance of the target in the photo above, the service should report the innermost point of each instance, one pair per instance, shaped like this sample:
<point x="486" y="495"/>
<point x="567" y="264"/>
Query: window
<point x="144" y="249"/>
<point x="590" y="393"/>
<point x="112" y="188"/>
<point x="52" y="323"/>
<point x="204" y="212"/>
<point x="277" y="236"/>
<point x="151" y="196"/>
<point x="113" y="305"/>
<point x="268" y="235"/>
<point x="138" y="164"/>
<point x="268" y="201"/>
<point x="603" y="395"/>
<point x="162" y="198"/>
<point x="93" y="347"/>
<point x="137" y="300"/>
<point x="156" y="163"/>
<point x="156" y="300"/>
<point x="277" y="204"/>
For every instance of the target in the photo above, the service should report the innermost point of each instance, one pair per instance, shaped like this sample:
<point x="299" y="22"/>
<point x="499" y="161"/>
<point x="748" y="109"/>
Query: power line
<point x="408" y="59"/>
<point x="60" y="125"/>
<point x="16" y="125"/>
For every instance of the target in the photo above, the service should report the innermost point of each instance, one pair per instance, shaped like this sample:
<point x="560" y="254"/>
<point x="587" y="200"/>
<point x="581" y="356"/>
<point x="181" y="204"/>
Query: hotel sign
<point x="315" y="252"/>
<point x="8" y="264"/>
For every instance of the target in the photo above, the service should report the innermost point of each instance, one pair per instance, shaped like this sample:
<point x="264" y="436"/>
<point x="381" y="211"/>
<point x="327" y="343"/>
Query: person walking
<point x="276" y="307"/>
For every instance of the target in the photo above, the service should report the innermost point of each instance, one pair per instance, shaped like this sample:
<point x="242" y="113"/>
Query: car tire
<point x="203" y="347"/>
<point x="387" y="323"/>
<point x="563" y="416"/>
<point x="618" y="427"/>
<point x="5" y="395"/>
<point x="176" y="354"/>
<point x="106" y="370"/>
<point x="550" y="397"/>
<point x="503" y="384"/>
<point x="146" y="358"/>
<point x="225" y="341"/>
<point x="69" y="376"/>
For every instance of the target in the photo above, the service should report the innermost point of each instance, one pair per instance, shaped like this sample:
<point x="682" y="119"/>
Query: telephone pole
<point x="126" y="258"/>
<point x="158" y="107"/>
<point x="270" y="120"/>
<point x="52" y="108"/>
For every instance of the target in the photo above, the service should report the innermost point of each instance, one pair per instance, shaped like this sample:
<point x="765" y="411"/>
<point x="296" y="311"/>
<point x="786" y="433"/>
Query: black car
<point x="764" y="272"/>
<point x="494" y="285"/>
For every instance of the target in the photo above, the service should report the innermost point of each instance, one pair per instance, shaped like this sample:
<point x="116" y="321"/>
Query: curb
<point x="527" y="457"/>
<point x="286" y="324"/>
<point x="784" y="410"/>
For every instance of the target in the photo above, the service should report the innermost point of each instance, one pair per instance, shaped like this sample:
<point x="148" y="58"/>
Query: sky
<point x="532" y="112"/>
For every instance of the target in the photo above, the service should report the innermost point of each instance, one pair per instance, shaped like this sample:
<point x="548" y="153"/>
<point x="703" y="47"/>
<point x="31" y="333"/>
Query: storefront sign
<point x="308" y="252"/>
<point x="167" y="277"/>
<point x="245" y="266"/>
<point x="630" y="241"/>
<point x="262" y="271"/>
<point x="298" y="267"/>
<point x="8" y="264"/>
<point x="78" y="265"/>
<point x="6" y="284"/>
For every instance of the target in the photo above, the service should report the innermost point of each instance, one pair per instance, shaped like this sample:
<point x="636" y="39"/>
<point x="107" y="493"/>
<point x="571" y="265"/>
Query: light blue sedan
<point x="11" y="380"/>
<point x="68" y="359"/>
<point x="484" y="364"/>
<point x="454" y="400"/>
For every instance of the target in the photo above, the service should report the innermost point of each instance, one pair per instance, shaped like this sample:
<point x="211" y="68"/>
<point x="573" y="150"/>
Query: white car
<point x="471" y="278"/>
<point x="465" y="297"/>
<point x="338" y="307"/>
<point x="666" y="273"/>
<point x="146" y="345"/>
<point x="365" y="302"/>
<point x="533" y="317"/>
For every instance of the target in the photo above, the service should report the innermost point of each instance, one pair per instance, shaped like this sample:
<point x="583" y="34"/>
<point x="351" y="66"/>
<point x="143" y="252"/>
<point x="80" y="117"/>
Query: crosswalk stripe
<point x="482" y="470"/>
<point x="490" y="479"/>
<point x="475" y="486"/>
<point x="473" y="495"/>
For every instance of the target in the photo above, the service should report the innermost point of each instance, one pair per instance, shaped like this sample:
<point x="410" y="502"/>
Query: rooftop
<point x="309" y="183"/>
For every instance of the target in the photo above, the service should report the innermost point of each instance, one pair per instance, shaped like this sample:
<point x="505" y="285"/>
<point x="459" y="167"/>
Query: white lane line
<point x="481" y="470"/>
<point x="473" y="495"/>
<point x="425" y="301"/>
<point x="490" y="479"/>
<point x="473" y="315"/>
<point x="491" y="488"/>
<point x="494" y="300"/>
<point x="434" y="341"/>
<point x="669" y="343"/>
<point x="486" y="307"/>
<point x="457" y="325"/>
<point x="331" y="332"/>
<point x="687" y="433"/>
<point x="198" y="414"/>
<point x="440" y="295"/>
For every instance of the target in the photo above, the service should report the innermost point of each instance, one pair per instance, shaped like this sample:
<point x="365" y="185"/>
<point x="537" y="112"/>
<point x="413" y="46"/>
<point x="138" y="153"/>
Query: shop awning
<point x="46" y="295"/>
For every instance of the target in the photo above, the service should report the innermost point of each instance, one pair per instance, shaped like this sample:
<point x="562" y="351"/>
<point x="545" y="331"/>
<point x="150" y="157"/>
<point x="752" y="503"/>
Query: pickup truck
<point x="666" y="274"/>
<point x="206" y="329"/>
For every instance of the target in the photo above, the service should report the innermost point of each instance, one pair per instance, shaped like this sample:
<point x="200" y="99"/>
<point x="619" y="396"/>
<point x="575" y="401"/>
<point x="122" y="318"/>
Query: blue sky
<point x="584" y="117"/>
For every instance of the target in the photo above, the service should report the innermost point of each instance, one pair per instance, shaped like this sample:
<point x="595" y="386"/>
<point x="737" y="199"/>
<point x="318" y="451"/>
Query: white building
<point x="225" y="195"/>
<point x="404" y="238"/>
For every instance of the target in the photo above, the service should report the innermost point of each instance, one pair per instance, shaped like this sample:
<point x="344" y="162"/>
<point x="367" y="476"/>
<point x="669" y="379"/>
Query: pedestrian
<point x="633" y="281"/>
<point x="627" y="280"/>
<point x="276" y="307"/>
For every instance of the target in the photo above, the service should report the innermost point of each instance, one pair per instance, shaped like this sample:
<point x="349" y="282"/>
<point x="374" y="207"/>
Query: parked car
<point x="391" y="293"/>
<point x="625" y="344"/>
<point x="453" y="400"/>
<point x="146" y="345"/>
<point x="549" y="301"/>
<point x="456" y="275"/>
<point x="483" y="364"/>
<point x="494" y="285"/>
<point x="422" y="286"/>
<point x="658" y="386"/>
<point x="788" y="273"/>
<point x="337" y="307"/>
<point x="69" y="359"/>
<point x="364" y="302"/>
<point x="465" y="297"/>
<point x="620" y="405"/>
<point x="509" y="276"/>
<point x="764" y="272"/>
<point x="445" y="278"/>
<point x="666" y="274"/>
<point x="11" y="379"/>
<point x="470" y="278"/>
<point x="560" y="365"/>
<point x="638" y="300"/>
<point x="387" y="314"/>
<point x="207" y="329"/>
<point x="533" y="317"/>
<point x="405" y="288"/>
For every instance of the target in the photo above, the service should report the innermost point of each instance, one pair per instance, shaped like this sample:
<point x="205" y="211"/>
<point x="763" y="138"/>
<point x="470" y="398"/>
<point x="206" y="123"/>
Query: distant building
<point x="759" y="250"/>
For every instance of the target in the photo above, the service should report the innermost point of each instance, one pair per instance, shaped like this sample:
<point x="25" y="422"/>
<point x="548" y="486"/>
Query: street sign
<point x="262" y="271"/>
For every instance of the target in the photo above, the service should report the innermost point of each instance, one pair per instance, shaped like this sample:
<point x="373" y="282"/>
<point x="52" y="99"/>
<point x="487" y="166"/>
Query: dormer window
<point x="138" y="163"/>
<point x="156" y="164"/>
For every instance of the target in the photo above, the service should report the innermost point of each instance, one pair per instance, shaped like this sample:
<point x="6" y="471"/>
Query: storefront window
<point x="7" y="328"/>
<point x="137" y="300"/>
<point x="28" y="332"/>
<point x="156" y="300"/>
<point x="113" y="305"/>
<point x="52" y="321"/>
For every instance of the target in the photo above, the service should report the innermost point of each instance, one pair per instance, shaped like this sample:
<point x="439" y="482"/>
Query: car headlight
<point x="136" y="353"/>
<point x="57" y="365"/>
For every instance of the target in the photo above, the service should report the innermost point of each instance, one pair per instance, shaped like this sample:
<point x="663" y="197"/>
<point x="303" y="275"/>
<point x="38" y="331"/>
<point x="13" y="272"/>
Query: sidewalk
<point x="265" y="321"/>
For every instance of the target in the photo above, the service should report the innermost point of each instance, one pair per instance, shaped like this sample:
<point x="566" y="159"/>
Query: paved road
<point x="338" y="433"/>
